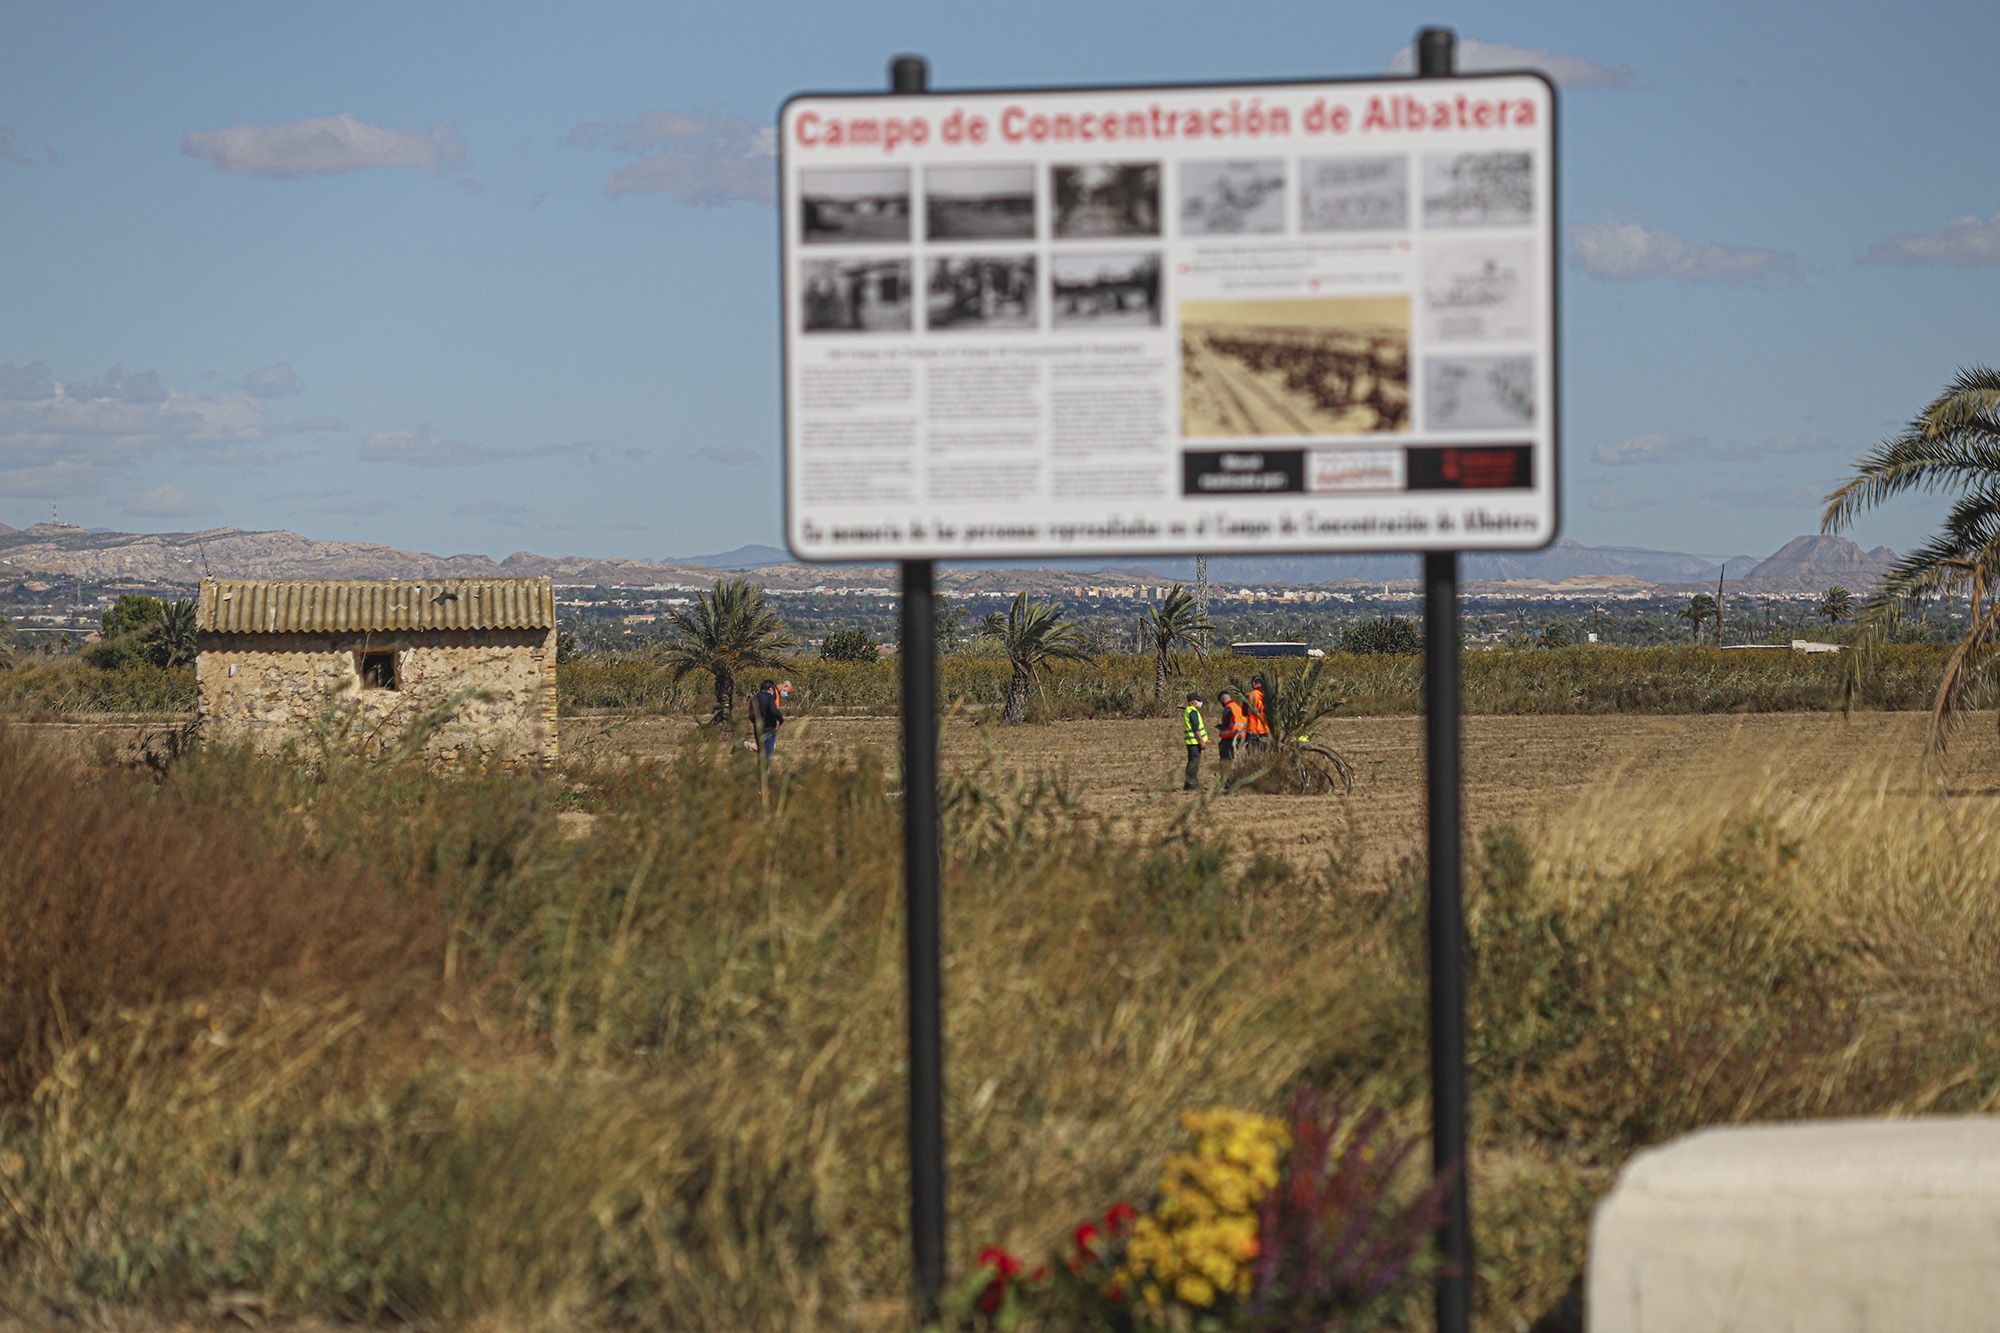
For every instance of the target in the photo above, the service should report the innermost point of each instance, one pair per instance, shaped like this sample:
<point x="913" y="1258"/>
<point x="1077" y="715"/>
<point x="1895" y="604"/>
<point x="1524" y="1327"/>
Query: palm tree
<point x="1837" y="605"/>
<point x="728" y="630"/>
<point x="170" y="640"/>
<point x="1954" y="445"/>
<point x="1034" y="633"/>
<point x="1295" y="706"/>
<point x="1699" y="608"/>
<point x="1177" y="621"/>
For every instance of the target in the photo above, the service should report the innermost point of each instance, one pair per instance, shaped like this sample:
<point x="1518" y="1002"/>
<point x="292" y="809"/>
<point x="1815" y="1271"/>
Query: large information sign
<point x="1311" y="317"/>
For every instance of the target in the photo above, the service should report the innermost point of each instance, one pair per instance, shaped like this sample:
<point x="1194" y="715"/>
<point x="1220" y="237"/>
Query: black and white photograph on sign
<point x="1479" y="392"/>
<point x="981" y="292"/>
<point x="1106" y="291"/>
<point x="1299" y="366"/>
<point x="1354" y="193"/>
<point x="980" y="203"/>
<point x="1479" y="291"/>
<point x="1094" y="199"/>
<point x="1233" y="198"/>
<point x="856" y="295"/>
<point x="840" y="205"/>
<point x="1479" y="189"/>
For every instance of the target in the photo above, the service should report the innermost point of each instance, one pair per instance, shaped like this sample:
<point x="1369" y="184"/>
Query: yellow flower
<point x="1195" y="1291"/>
<point x="1197" y="1241"/>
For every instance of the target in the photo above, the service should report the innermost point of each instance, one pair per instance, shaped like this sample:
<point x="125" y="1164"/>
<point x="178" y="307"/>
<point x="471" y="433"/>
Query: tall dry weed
<point x="114" y="896"/>
<point x="653" y="1076"/>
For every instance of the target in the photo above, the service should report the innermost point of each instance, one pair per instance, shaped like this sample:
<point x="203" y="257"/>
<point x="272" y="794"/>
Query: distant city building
<point x="277" y="658"/>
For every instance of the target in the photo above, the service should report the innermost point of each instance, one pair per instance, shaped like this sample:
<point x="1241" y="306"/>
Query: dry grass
<point x="651" y="1077"/>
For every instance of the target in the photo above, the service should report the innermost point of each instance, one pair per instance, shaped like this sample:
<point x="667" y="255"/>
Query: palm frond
<point x="1914" y="461"/>
<point x="1971" y="399"/>
<point x="1964" y="669"/>
<point x="1178" y="619"/>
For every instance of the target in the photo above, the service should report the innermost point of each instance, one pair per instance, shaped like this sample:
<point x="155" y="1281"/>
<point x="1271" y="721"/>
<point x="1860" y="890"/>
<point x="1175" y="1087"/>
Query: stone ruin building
<point x="280" y="658"/>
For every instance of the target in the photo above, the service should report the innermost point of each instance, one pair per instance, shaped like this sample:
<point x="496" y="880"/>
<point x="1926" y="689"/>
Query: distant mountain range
<point x="1803" y="565"/>
<point x="1566" y="559"/>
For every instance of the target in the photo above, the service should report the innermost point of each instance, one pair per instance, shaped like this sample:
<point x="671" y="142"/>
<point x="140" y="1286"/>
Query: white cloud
<point x="70" y="436"/>
<point x="1611" y="500"/>
<point x="356" y="506"/>
<point x="324" y="146"/>
<point x="489" y="509"/>
<point x="1656" y="447"/>
<point x="1475" y="56"/>
<point x="1967" y="241"/>
<point x="27" y="383"/>
<point x="312" y="425"/>
<point x="1800" y="444"/>
<point x="1630" y="251"/>
<point x="273" y="381"/>
<point x="709" y="160"/>
<point x="165" y="501"/>
<point x="424" y="447"/>
<point x="1771" y="497"/>
<point x="734" y="455"/>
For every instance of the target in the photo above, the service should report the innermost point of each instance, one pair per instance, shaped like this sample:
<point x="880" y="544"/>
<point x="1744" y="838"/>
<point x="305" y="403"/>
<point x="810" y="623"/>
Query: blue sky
<point x="478" y="277"/>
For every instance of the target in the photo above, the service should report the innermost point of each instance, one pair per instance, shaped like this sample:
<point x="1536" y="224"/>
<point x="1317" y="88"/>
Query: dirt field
<point x="1529" y="771"/>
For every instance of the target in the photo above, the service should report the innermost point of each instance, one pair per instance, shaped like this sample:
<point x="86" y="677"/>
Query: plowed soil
<point x="1531" y="772"/>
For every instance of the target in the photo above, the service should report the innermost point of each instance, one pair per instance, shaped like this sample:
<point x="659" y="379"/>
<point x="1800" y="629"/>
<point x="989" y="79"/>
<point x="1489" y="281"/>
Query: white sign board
<point x="1276" y="317"/>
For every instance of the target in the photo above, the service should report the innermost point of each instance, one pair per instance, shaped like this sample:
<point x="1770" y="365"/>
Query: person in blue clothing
<point x="770" y="716"/>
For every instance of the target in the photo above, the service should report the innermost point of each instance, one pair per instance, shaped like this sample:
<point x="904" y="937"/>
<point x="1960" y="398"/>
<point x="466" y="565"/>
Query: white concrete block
<point x="1890" y="1226"/>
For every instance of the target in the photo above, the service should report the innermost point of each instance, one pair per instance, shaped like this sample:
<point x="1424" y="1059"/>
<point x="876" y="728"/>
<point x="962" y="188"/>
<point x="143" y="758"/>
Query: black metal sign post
<point x="918" y="650"/>
<point x="909" y="75"/>
<point x="1435" y="58"/>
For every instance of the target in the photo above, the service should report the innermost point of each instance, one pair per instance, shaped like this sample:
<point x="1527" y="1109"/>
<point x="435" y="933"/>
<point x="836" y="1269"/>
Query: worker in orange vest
<point x="1259" y="724"/>
<point x="1231" y="728"/>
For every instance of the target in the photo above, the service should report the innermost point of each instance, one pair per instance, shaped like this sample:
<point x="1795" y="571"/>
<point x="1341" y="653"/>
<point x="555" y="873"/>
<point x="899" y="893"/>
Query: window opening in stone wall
<point x="378" y="671"/>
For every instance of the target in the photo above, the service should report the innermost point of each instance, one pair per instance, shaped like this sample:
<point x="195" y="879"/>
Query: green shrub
<point x="848" y="645"/>
<point x="1385" y="634"/>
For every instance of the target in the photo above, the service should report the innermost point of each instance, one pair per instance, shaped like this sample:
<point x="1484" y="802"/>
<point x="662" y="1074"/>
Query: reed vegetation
<point x="368" y="1044"/>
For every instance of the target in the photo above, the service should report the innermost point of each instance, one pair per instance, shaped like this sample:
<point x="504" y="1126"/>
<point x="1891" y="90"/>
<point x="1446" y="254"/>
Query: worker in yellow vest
<point x="1195" y="732"/>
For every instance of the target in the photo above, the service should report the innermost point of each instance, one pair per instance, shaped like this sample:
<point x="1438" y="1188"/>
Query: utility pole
<point x="1718" y="602"/>
<point x="1201" y="593"/>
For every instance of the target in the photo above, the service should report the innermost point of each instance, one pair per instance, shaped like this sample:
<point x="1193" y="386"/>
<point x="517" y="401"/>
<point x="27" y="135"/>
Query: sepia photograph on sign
<point x="1096" y="199"/>
<point x="848" y="204"/>
<point x="1300" y="366"/>
<point x="979" y="292"/>
<point x="1233" y="197"/>
<point x="855" y="295"/>
<point x="1106" y="291"/>
<point x="980" y="203"/>
<point x="1354" y="193"/>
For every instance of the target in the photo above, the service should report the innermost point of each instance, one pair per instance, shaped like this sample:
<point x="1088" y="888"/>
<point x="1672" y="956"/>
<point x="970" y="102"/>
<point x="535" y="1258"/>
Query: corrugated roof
<point x="309" y="606"/>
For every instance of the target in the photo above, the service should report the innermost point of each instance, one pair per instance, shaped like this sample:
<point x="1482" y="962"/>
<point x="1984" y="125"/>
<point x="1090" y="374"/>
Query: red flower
<point x="1005" y="1267"/>
<point x="1087" y="1237"/>
<point x="1119" y="1216"/>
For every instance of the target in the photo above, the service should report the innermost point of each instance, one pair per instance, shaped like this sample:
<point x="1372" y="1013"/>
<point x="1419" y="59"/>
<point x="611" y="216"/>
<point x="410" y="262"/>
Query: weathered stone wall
<point x="272" y="689"/>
